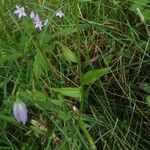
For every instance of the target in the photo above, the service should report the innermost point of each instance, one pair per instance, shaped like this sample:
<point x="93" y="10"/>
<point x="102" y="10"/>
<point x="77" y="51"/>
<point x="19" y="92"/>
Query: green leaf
<point x="148" y="100"/>
<point x="9" y="120"/>
<point x="64" y="32"/>
<point x="146" y="15"/>
<point x="56" y="102"/>
<point x="68" y="91"/>
<point x="69" y="55"/>
<point x="41" y="97"/>
<point x="87" y="134"/>
<point x="81" y="1"/>
<point x="63" y="115"/>
<point x="94" y="75"/>
<point x="39" y="64"/>
<point x="139" y="4"/>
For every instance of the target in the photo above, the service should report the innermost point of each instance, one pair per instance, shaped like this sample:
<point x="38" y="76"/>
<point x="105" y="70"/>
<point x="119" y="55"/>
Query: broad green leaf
<point x="94" y="75"/>
<point x="69" y="55"/>
<point x="39" y="64"/>
<point x="148" y="100"/>
<point x="68" y="91"/>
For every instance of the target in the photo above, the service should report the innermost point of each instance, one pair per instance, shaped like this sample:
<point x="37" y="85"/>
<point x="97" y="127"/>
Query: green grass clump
<point x="84" y="78"/>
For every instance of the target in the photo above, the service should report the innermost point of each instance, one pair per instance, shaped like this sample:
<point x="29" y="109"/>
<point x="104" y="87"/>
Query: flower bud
<point x="20" y="111"/>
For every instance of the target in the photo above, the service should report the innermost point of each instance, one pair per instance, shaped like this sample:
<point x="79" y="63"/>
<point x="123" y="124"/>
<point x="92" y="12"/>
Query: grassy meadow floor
<point x="84" y="78"/>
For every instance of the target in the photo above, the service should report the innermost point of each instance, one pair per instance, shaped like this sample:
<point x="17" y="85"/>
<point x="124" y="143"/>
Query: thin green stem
<point x="79" y="55"/>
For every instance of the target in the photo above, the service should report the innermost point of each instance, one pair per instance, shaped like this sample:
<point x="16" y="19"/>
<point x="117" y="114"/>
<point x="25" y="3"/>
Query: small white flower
<point x="75" y="109"/>
<point x="59" y="14"/>
<point x="20" y="11"/>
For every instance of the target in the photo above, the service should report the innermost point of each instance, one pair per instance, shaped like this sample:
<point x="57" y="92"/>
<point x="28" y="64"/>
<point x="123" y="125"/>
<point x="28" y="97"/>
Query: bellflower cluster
<point x="20" y="111"/>
<point x="39" y="24"/>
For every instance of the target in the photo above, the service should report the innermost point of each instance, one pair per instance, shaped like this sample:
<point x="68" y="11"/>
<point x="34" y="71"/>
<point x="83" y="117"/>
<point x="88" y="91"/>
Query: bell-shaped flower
<point x="37" y="21"/>
<point x="20" y="111"/>
<point x="20" y="11"/>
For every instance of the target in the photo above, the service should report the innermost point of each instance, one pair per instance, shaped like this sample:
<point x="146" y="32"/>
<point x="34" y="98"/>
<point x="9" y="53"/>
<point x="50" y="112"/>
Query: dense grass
<point x="37" y="66"/>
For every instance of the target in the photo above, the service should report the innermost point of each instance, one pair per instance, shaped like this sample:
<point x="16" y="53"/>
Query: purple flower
<point x="59" y="14"/>
<point x="20" y="112"/>
<point x="36" y="18"/>
<point x="20" y="11"/>
<point x="37" y="21"/>
<point x="39" y="24"/>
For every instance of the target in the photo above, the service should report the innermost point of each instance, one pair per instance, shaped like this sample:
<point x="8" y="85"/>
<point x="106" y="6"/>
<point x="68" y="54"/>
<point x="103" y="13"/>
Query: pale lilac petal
<point x="22" y="110"/>
<point x="17" y="7"/>
<point x="59" y="14"/>
<point x="37" y="21"/>
<point x="24" y="14"/>
<point x="19" y="15"/>
<point x="38" y="25"/>
<point x="15" y="111"/>
<point x="32" y="15"/>
<point x="22" y="8"/>
<point x="36" y="18"/>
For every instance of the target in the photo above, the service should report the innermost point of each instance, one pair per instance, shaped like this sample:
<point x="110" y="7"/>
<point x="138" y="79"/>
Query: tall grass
<point x="84" y="77"/>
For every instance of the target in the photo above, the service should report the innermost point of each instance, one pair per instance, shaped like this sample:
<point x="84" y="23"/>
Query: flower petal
<point x="15" y="112"/>
<point x="22" y="111"/>
<point x="32" y="15"/>
<point x="16" y="11"/>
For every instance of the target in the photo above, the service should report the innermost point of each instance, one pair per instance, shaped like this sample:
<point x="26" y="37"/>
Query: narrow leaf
<point x="39" y="64"/>
<point x="68" y="91"/>
<point x="138" y="4"/>
<point x="64" y="32"/>
<point x="94" y="75"/>
<point x="69" y="55"/>
<point x="88" y="136"/>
